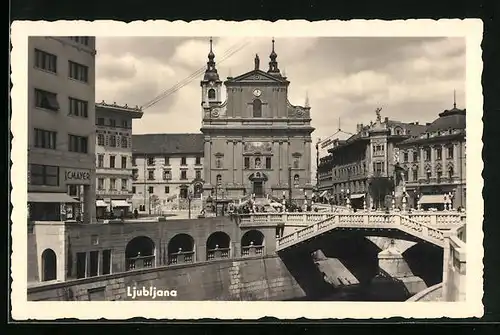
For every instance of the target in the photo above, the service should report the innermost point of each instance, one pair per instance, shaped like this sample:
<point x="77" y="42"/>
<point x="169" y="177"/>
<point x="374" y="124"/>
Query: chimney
<point x="386" y="119"/>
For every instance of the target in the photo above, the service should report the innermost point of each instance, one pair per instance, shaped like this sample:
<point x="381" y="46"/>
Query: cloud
<point x="412" y="79"/>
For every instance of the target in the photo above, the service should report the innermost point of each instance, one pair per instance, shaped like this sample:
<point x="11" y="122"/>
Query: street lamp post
<point x="189" y="198"/>
<point x="290" y="185"/>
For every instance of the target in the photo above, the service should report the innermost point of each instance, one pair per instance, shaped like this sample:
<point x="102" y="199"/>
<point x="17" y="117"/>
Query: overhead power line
<point x="228" y="53"/>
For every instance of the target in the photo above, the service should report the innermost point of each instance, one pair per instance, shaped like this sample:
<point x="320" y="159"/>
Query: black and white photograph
<point x="288" y="169"/>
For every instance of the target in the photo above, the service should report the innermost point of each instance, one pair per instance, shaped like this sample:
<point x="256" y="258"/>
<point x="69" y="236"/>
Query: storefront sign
<point x="77" y="176"/>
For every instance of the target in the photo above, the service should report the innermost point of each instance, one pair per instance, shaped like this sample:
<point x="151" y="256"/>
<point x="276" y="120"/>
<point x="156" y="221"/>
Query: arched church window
<point x="296" y="181"/>
<point x="211" y="93"/>
<point x="257" y="108"/>
<point x="258" y="163"/>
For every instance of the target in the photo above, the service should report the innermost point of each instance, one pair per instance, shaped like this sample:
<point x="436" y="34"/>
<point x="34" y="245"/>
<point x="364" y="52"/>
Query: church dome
<point x="449" y="119"/>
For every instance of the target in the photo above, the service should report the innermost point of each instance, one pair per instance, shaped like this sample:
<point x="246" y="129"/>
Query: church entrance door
<point x="258" y="189"/>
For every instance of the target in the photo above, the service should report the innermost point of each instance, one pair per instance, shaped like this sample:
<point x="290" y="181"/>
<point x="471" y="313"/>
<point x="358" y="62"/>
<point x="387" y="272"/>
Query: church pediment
<point x="257" y="76"/>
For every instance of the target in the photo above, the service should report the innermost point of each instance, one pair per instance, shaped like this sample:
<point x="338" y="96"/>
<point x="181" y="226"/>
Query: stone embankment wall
<point x="264" y="278"/>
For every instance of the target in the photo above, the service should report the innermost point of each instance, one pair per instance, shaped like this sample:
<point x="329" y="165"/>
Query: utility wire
<point x="230" y="52"/>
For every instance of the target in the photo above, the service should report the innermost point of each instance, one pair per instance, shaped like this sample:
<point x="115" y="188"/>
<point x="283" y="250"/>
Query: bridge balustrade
<point x="252" y="250"/>
<point x="219" y="253"/>
<point x="140" y="262"/>
<point x="181" y="257"/>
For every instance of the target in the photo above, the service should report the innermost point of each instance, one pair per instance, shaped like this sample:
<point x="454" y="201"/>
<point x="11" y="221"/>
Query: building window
<point x="106" y="262"/>
<point x="151" y="174"/>
<point x="378" y="149"/>
<point x="78" y="144"/>
<point x="405" y="174"/>
<point x="112" y="123"/>
<point x="183" y="174"/>
<point x="100" y="121"/>
<point x="150" y="189"/>
<point x="124" y="184"/>
<point x="78" y="107"/>
<point x="167" y="160"/>
<point x="296" y="181"/>
<point x="100" y="183"/>
<point x="81" y="265"/>
<point x="268" y="162"/>
<point x="45" y="139"/>
<point x="112" y="141"/>
<point x="78" y="71"/>
<point x="428" y="175"/>
<point x="211" y="93"/>
<point x="133" y="189"/>
<point x="135" y="174"/>
<point x="198" y="175"/>
<point x="112" y="184"/>
<point x="450" y="173"/>
<point x="439" y="174"/>
<point x="167" y="189"/>
<point x="151" y="161"/>
<point x="439" y="153"/>
<point x="415" y="156"/>
<point x="405" y="157"/>
<point x="415" y="175"/>
<point x="100" y="139"/>
<point x="450" y="152"/>
<point x="100" y="161"/>
<point x="112" y="161"/>
<point x="257" y="108"/>
<point x="46" y="100"/>
<point x="247" y="162"/>
<point x="124" y="162"/>
<point x="80" y="39"/>
<point x="124" y="142"/>
<point x="45" y="61"/>
<point x="258" y="163"/>
<point x="94" y="263"/>
<point x="183" y="160"/>
<point x="44" y="175"/>
<point x="197" y="160"/>
<point x="378" y="168"/>
<point x="124" y="124"/>
<point x="167" y="175"/>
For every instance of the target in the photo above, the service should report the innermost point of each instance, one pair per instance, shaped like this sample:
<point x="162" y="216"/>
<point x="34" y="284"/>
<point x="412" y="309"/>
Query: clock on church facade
<point x="256" y="141"/>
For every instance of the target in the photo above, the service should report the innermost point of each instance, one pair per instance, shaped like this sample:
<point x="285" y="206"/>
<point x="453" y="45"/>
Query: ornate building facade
<point x="352" y="164"/>
<point x="256" y="141"/>
<point x="114" y="158"/>
<point x="167" y="171"/>
<point x="435" y="162"/>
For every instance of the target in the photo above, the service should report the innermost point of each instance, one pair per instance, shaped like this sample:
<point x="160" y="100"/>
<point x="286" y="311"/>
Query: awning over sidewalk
<point x="120" y="203"/>
<point x="101" y="203"/>
<point x="50" y="197"/>
<point x="357" y="195"/>
<point x="432" y="199"/>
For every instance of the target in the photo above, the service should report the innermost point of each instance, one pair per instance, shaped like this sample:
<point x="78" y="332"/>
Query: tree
<point x="379" y="188"/>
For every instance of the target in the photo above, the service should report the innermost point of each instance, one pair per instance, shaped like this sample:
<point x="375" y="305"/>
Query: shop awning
<point x="322" y="194"/>
<point x="357" y="195"/>
<point x="120" y="203"/>
<point x="101" y="203"/>
<point x="432" y="199"/>
<point x="50" y="197"/>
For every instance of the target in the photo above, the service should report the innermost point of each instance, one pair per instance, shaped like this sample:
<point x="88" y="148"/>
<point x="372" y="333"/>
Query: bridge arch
<point x="218" y="245"/>
<point x="425" y="261"/>
<point x="252" y="243"/>
<point x="49" y="265"/>
<point x="140" y="253"/>
<point x="181" y="249"/>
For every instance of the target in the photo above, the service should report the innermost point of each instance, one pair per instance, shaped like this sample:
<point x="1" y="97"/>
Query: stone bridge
<point x="252" y="258"/>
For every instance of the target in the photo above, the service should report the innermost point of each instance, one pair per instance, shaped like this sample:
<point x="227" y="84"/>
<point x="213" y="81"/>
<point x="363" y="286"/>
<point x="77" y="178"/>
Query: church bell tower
<point x="211" y="84"/>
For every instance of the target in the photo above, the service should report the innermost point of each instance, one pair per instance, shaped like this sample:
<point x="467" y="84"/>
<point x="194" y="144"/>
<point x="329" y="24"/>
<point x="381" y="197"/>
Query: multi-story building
<point x="255" y="142"/>
<point x="61" y="128"/>
<point x="431" y="158"/>
<point x="435" y="162"/>
<point x="167" y="171"/>
<point x="114" y="158"/>
<point x="353" y="164"/>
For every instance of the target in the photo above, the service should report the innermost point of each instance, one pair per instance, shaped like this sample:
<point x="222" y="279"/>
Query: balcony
<point x="252" y="250"/>
<point x="113" y="192"/>
<point x="141" y="262"/>
<point x="181" y="257"/>
<point x="219" y="253"/>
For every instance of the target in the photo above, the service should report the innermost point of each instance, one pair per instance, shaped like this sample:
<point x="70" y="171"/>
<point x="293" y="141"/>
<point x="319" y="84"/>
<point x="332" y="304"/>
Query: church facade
<point x="255" y="142"/>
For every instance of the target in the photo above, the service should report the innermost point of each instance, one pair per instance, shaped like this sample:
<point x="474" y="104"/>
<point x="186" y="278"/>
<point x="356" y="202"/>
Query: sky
<point x="346" y="78"/>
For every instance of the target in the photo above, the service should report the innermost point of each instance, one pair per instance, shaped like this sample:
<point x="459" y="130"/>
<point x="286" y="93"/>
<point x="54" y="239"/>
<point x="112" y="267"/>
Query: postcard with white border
<point x="212" y="169"/>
